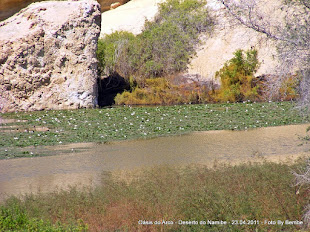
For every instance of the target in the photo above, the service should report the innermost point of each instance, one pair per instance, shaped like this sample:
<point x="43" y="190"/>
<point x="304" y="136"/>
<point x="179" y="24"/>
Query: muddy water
<point x="82" y="164"/>
<point x="10" y="7"/>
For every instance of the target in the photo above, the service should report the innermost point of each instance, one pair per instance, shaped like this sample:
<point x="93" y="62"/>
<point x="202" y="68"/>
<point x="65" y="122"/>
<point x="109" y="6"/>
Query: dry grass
<point x="244" y="192"/>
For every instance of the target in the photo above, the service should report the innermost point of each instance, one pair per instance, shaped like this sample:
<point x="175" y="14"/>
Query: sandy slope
<point x="129" y="17"/>
<point x="217" y="49"/>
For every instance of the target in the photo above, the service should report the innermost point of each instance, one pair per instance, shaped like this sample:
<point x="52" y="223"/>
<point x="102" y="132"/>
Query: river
<point x="82" y="164"/>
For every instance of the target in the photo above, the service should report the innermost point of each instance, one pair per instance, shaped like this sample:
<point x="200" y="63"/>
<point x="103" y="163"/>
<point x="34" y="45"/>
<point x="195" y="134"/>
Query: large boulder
<point x="48" y="56"/>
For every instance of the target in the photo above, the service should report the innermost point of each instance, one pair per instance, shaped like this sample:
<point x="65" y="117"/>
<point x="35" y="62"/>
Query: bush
<point x="161" y="91"/>
<point x="13" y="217"/>
<point x="156" y="91"/>
<point x="191" y="16"/>
<point x="245" y="192"/>
<point x="170" y="41"/>
<point x="303" y="179"/>
<point x="112" y="53"/>
<point x="288" y="90"/>
<point x="164" y="47"/>
<point x="237" y="77"/>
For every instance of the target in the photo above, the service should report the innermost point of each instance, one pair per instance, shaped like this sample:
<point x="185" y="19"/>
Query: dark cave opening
<point x="109" y="87"/>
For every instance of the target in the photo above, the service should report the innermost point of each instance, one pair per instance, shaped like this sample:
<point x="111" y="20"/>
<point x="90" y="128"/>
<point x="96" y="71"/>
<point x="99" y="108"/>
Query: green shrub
<point x="237" y="77"/>
<point x="13" y="217"/>
<point x="112" y="53"/>
<point x="165" y="46"/>
<point x="155" y="92"/>
<point x="169" y="41"/>
<point x="165" y="49"/>
<point x="289" y="88"/>
<point x="191" y="16"/>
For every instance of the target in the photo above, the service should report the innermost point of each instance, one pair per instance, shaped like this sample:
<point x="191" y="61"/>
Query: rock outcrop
<point x="48" y="56"/>
<point x="129" y="17"/>
<point x="10" y="7"/>
<point x="227" y="37"/>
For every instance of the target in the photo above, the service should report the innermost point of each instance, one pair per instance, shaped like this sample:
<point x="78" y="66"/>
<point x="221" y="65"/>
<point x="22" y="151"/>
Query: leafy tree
<point x="237" y="77"/>
<point x="170" y="40"/>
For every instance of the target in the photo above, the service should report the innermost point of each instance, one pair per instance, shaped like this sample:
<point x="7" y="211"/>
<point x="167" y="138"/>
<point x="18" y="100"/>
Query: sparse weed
<point x="259" y="192"/>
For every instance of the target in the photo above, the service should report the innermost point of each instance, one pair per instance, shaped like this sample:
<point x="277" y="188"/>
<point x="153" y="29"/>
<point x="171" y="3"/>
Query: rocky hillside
<point x="217" y="49"/>
<point x="129" y="17"/>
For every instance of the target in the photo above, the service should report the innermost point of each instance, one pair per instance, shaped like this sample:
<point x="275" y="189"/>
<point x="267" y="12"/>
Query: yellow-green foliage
<point x="279" y="88"/>
<point x="156" y="91"/>
<point x="112" y="53"/>
<point x="160" y="91"/>
<point x="288" y="90"/>
<point x="165" y="45"/>
<point x="237" y="78"/>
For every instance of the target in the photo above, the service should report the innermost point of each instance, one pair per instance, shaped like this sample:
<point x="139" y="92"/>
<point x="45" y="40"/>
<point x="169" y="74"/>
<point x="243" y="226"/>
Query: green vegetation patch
<point x="120" y="123"/>
<point x="14" y="217"/>
<point x="165" y="45"/>
<point x="160" y="91"/>
<point x="237" y="77"/>
<point x="253" y="194"/>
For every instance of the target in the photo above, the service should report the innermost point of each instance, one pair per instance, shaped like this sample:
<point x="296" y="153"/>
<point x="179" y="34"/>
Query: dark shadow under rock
<point x="109" y="87"/>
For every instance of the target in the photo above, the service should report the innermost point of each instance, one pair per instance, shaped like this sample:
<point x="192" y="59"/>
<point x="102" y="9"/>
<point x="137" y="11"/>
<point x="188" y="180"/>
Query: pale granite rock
<point x="48" y="56"/>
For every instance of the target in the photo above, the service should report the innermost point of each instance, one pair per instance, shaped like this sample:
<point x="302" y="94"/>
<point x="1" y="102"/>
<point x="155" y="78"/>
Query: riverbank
<point x="83" y="163"/>
<point x="246" y="197"/>
<point x="166" y="194"/>
<point x="42" y="128"/>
